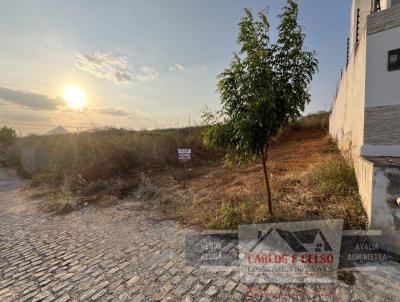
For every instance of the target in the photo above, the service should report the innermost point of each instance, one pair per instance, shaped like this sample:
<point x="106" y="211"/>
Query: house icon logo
<point x="312" y="240"/>
<point x="290" y="252"/>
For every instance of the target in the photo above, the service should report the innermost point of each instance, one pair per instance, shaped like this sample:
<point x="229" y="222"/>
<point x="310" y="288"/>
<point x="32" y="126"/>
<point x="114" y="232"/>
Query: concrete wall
<point x="366" y="110"/>
<point x="346" y="123"/>
<point x="385" y="4"/>
<point x="364" y="172"/>
<point x="365" y="118"/>
<point x="393" y="2"/>
<point x="33" y="160"/>
<point x="28" y="160"/>
<point x="385" y="213"/>
<point x="365" y="10"/>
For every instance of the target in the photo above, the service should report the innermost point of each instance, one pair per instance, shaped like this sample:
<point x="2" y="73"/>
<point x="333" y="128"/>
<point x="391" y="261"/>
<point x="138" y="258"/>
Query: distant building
<point x="365" y="118"/>
<point x="57" y="130"/>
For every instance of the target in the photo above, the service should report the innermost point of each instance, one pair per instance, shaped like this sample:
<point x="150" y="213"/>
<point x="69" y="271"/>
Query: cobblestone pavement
<point x="124" y="255"/>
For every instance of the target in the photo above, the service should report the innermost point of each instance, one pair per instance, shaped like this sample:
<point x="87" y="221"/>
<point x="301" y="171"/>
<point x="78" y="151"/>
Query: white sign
<point x="184" y="151"/>
<point x="184" y="156"/>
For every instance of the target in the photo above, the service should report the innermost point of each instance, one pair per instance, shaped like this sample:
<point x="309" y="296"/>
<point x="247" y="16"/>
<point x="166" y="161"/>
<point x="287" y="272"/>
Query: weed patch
<point x="334" y="177"/>
<point x="327" y="190"/>
<point x="62" y="200"/>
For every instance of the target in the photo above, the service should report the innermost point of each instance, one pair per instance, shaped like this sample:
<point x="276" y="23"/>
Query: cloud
<point x="32" y="100"/>
<point x="24" y="117"/>
<point x="147" y="73"/>
<point x="178" y="66"/>
<point x="112" y="111"/>
<point x="109" y="66"/>
<point x="105" y="65"/>
<point x="122" y="113"/>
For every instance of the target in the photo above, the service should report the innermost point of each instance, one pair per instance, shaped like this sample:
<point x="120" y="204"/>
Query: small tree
<point x="7" y="136"/>
<point x="265" y="86"/>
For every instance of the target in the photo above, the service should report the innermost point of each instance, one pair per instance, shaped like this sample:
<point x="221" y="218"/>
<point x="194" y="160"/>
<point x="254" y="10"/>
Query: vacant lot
<point x="310" y="179"/>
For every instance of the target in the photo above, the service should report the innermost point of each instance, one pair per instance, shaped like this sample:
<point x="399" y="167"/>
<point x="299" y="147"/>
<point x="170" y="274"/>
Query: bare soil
<point x="194" y="197"/>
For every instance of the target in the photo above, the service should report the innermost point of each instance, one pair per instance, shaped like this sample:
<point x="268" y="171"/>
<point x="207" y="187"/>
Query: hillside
<point x="214" y="196"/>
<point x="310" y="179"/>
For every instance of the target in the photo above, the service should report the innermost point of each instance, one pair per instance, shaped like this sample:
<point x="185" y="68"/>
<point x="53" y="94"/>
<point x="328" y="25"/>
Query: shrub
<point x="241" y="209"/>
<point x="227" y="218"/>
<point x="319" y="121"/>
<point x="107" y="200"/>
<point x="96" y="186"/>
<point x="327" y="191"/>
<point x="334" y="176"/>
<point x="62" y="200"/>
<point x="114" y="153"/>
<point x="7" y="136"/>
<point x="45" y="177"/>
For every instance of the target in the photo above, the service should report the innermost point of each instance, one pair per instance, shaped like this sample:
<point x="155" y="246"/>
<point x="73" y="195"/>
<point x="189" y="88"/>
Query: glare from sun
<point x="74" y="96"/>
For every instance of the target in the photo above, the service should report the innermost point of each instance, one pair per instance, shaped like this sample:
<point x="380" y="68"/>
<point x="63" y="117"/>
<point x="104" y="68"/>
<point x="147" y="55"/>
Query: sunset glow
<point x="74" y="96"/>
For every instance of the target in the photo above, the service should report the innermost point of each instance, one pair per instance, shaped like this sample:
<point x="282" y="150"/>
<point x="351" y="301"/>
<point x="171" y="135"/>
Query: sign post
<point x="184" y="155"/>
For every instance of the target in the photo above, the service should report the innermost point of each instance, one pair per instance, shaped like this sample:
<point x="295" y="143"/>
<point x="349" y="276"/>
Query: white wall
<point x="346" y="123"/>
<point x="382" y="86"/>
<point x="365" y="10"/>
<point x="364" y="172"/>
<point x="385" y="4"/>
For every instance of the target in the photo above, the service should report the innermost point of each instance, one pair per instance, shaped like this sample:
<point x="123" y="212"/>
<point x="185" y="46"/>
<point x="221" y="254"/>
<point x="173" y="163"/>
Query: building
<point x="365" y="117"/>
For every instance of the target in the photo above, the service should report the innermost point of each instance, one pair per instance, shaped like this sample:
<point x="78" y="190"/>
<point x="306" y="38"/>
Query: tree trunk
<point x="264" y="162"/>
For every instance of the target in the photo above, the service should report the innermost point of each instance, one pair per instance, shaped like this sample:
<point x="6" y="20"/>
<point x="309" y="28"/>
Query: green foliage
<point x="62" y="200"/>
<point x="96" y="186"/>
<point x="7" y="136"/>
<point x="228" y="218"/>
<point x="318" y="121"/>
<point x="335" y="181"/>
<point x="334" y="177"/>
<point x="112" y="153"/>
<point x="245" y="209"/>
<point x="327" y="191"/>
<point x="265" y="86"/>
<point x="107" y="200"/>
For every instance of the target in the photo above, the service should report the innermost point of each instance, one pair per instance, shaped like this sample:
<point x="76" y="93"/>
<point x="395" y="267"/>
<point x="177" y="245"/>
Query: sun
<point x="74" y="96"/>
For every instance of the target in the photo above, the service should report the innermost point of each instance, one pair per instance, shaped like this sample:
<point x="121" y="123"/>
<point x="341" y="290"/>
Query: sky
<point x="142" y="63"/>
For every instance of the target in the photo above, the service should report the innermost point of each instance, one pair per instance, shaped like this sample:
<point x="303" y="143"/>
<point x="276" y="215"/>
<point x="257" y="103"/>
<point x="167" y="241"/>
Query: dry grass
<point x="62" y="200"/>
<point x="327" y="190"/>
<point x="307" y="183"/>
<point x="310" y="180"/>
<point x="106" y="163"/>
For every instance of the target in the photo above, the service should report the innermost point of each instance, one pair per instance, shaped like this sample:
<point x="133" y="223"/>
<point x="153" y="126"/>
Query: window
<point x="318" y="248"/>
<point x="395" y="2"/>
<point x="394" y="60"/>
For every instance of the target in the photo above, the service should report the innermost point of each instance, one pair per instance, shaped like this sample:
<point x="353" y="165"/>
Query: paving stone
<point x="99" y="294"/>
<point x="187" y="298"/>
<point x="64" y="298"/>
<point x="132" y="281"/>
<point x="242" y="288"/>
<point x="139" y="298"/>
<point x="212" y="291"/>
<point x="119" y="255"/>
<point x="230" y="285"/>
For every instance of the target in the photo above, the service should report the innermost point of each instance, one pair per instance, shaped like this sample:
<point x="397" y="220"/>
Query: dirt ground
<point x="195" y="196"/>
